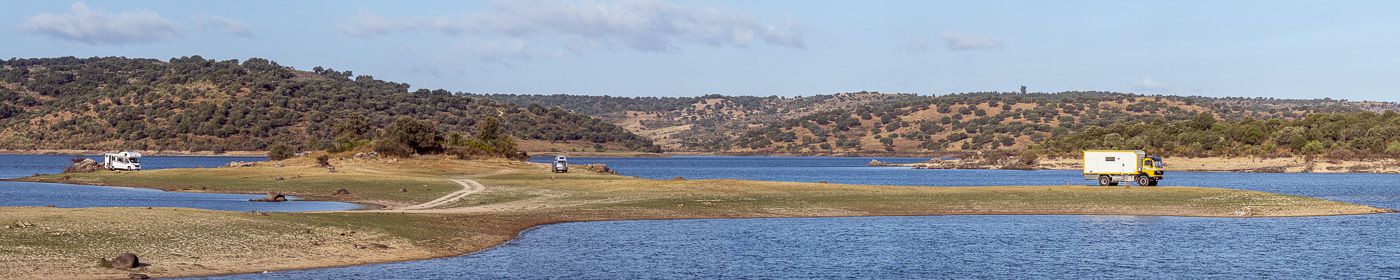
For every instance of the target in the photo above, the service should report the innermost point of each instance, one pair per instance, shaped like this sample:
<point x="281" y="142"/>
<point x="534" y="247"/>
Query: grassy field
<point x="66" y="243"/>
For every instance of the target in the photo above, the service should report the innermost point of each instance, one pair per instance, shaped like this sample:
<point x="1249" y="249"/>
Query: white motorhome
<point x="1110" y="167"/>
<point x="561" y="164"/>
<point x="122" y="161"/>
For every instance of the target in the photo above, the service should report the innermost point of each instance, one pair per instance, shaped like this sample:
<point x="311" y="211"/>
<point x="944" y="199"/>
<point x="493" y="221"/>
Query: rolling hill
<point x="198" y="104"/>
<point x="877" y="123"/>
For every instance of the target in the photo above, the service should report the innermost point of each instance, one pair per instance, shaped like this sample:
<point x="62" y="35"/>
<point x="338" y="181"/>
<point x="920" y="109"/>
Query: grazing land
<point x="514" y="196"/>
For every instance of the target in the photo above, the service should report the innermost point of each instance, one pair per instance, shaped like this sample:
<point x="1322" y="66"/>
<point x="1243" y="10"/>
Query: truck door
<point x="1148" y="166"/>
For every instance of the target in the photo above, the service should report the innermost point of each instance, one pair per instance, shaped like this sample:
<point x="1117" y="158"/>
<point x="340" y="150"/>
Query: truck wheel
<point x="1104" y="180"/>
<point x="1152" y="183"/>
<point x="1144" y="181"/>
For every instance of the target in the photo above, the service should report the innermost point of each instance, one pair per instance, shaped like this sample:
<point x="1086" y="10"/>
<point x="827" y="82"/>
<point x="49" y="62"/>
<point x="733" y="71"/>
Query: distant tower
<point x="1023" y="89"/>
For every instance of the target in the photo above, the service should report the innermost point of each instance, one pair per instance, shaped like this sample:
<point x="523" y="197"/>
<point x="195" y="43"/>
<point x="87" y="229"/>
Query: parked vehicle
<point x="122" y="161"/>
<point x="1110" y="167"/>
<point x="561" y="164"/>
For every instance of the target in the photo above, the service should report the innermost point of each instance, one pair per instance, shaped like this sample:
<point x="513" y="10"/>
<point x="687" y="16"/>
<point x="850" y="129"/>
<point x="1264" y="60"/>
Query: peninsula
<point x="436" y="206"/>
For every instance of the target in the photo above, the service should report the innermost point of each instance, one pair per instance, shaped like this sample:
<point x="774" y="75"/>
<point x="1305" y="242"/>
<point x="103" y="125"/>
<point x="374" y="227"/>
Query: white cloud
<point x="959" y="41"/>
<point x="97" y="27"/>
<point x="1148" y="84"/>
<point x="498" y="51"/>
<point x="232" y="26"/>
<point x="642" y="25"/>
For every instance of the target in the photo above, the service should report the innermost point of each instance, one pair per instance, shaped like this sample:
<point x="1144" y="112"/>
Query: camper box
<point x="122" y="161"/>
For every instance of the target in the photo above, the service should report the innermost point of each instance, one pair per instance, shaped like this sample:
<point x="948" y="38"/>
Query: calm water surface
<point x="73" y="196"/>
<point x="940" y="246"/>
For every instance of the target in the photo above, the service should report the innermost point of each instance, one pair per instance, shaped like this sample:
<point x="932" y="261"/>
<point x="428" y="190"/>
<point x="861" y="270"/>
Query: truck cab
<point x="1153" y="168"/>
<point x="1110" y="167"/>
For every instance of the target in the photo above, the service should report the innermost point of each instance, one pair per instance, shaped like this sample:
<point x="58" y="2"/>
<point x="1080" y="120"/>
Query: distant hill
<point x="875" y="123"/>
<point x="706" y="123"/>
<point x="197" y="104"/>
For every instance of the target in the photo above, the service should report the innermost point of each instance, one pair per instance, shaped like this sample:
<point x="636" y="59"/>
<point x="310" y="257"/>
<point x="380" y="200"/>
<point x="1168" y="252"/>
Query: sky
<point x="1282" y="49"/>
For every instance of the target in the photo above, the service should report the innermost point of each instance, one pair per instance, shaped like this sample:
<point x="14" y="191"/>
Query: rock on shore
<point x="271" y="197"/>
<point x="82" y="165"/>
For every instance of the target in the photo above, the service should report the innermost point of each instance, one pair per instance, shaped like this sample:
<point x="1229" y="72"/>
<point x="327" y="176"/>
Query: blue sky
<point x="1283" y="49"/>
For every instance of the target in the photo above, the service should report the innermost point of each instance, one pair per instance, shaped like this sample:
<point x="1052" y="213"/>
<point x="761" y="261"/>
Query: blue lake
<point x="937" y="246"/>
<point x="72" y="196"/>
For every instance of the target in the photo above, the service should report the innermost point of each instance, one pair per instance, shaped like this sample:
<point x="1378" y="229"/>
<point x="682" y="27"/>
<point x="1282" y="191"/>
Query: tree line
<point x="197" y="104"/>
<point x="1355" y="135"/>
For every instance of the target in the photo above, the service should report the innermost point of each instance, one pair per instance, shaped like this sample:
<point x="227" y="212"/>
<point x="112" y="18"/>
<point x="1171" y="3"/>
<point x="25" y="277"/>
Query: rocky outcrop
<point x="371" y="246"/>
<point x="126" y="261"/>
<point x="241" y="164"/>
<point x="368" y="155"/>
<point x="678" y="178"/>
<point x="20" y="224"/>
<point x="600" y="168"/>
<point x="82" y="165"/>
<point x="271" y="197"/>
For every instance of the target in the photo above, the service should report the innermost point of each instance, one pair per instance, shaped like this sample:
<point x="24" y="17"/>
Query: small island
<point x="437" y="206"/>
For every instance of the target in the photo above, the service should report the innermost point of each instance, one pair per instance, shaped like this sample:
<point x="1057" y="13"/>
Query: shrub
<point x="393" y="149"/>
<point x="280" y="151"/>
<point x="418" y="135"/>
<point x="323" y="160"/>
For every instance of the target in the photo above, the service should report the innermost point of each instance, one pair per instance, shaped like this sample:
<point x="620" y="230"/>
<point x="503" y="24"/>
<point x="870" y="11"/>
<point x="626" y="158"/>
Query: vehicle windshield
<point x="1157" y="164"/>
<point x="135" y="160"/>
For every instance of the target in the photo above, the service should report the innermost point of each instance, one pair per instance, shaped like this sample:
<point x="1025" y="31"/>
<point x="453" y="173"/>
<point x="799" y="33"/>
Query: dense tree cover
<point x="192" y="103"/>
<point x="704" y="123"/>
<point x="872" y="122"/>
<point x="1330" y="135"/>
<point x="993" y="121"/>
<point x="408" y="136"/>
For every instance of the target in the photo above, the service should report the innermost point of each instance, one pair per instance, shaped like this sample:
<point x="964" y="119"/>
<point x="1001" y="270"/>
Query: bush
<point x="323" y="160"/>
<point x="421" y="136"/>
<point x="1029" y="157"/>
<point x="466" y="152"/>
<point x="280" y="151"/>
<point x="393" y="149"/>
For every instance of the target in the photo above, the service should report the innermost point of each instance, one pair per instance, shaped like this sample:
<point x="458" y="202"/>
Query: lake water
<point x="993" y="246"/>
<point x="73" y="196"/>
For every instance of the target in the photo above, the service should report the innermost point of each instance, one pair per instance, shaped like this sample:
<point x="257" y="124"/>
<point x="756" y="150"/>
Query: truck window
<point x="1108" y="159"/>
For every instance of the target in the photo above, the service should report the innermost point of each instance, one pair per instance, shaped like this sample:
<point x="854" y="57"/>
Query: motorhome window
<point x="1109" y="159"/>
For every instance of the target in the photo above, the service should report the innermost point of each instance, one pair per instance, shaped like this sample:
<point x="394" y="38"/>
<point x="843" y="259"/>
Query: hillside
<point x="704" y="123"/>
<point x="874" y="123"/>
<point x="197" y="104"/>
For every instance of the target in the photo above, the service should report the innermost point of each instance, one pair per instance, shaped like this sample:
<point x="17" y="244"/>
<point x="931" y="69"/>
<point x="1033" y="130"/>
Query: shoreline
<point x="1239" y="165"/>
<point x="521" y="233"/>
<point x="360" y="205"/>
<point x="496" y="216"/>
<point x="68" y="152"/>
<point x="1208" y="164"/>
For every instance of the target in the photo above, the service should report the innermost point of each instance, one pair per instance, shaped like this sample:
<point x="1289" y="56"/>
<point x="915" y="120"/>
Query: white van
<point x="561" y="164"/>
<point x="122" y="161"/>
